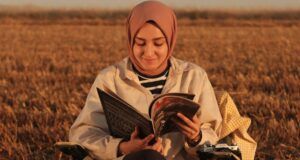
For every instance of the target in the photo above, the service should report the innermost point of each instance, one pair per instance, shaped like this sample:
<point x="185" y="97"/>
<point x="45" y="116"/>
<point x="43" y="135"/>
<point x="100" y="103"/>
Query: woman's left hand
<point x="190" y="128"/>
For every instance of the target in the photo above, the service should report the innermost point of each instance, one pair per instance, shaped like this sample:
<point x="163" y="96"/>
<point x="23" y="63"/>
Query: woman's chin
<point x="150" y="66"/>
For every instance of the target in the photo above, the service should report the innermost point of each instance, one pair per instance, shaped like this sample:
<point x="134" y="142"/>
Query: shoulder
<point x="107" y="72"/>
<point x="188" y="67"/>
<point x="111" y="72"/>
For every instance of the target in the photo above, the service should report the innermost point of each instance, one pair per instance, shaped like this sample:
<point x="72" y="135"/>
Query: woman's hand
<point x="137" y="144"/>
<point x="190" y="128"/>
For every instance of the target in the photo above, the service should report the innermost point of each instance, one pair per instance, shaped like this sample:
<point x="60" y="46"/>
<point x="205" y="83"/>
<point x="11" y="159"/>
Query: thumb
<point x="135" y="133"/>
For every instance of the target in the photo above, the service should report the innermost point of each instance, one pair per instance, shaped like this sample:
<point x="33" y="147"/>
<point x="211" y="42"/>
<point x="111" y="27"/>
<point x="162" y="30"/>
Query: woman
<point x="149" y="70"/>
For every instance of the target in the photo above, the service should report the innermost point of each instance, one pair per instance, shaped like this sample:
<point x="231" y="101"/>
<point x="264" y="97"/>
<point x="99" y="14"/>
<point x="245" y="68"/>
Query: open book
<point x="122" y="118"/>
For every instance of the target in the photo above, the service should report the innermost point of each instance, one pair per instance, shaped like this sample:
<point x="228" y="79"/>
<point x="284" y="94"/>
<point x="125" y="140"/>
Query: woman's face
<point x="150" y="49"/>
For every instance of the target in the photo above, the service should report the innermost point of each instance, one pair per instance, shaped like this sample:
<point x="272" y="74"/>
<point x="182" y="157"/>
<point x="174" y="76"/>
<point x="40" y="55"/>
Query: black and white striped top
<point x="155" y="83"/>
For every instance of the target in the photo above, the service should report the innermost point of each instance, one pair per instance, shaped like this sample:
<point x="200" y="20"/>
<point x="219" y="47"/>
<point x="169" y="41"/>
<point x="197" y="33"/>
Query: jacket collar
<point x="127" y="71"/>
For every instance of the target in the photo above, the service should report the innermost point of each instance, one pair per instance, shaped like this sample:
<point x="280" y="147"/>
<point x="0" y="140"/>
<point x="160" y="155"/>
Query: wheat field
<point x="48" y="66"/>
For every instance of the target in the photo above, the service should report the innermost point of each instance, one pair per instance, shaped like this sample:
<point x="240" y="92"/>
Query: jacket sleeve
<point x="90" y="128"/>
<point x="209" y="114"/>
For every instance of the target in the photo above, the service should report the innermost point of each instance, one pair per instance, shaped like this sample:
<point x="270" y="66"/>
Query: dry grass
<point x="47" y="68"/>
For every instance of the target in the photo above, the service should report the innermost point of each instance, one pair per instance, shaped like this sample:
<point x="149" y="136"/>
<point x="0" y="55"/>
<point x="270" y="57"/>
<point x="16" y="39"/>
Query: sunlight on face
<point x="150" y="49"/>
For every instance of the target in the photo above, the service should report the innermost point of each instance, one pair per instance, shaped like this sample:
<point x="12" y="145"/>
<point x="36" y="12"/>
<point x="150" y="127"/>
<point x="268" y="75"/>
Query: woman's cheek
<point x="137" y="51"/>
<point x="163" y="51"/>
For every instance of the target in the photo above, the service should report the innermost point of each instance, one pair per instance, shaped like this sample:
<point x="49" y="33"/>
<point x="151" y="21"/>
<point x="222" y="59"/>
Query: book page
<point x="159" y="98"/>
<point x="164" y="113"/>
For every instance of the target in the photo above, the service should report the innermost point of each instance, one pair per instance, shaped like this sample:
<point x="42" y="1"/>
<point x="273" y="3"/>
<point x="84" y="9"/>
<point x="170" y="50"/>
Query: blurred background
<point x="52" y="50"/>
<point x="194" y="4"/>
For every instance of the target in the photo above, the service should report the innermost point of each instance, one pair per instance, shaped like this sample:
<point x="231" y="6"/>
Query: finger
<point x="185" y="119"/>
<point x="146" y="140"/>
<point x="186" y="128"/>
<point x="158" y="144"/>
<point x="135" y="133"/>
<point x="155" y="147"/>
<point x="188" y="134"/>
<point x="152" y="148"/>
<point x="189" y="123"/>
<point x="162" y="151"/>
<point x="159" y="148"/>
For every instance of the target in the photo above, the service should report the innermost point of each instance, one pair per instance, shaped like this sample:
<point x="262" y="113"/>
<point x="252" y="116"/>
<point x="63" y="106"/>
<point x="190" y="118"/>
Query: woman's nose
<point x="149" y="51"/>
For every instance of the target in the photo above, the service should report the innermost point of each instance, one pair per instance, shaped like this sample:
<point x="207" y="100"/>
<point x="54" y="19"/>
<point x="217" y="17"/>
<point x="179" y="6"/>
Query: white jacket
<point x="90" y="128"/>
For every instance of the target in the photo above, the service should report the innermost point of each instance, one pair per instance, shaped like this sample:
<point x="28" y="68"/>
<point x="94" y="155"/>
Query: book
<point x="122" y="118"/>
<point x="70" y="148"/>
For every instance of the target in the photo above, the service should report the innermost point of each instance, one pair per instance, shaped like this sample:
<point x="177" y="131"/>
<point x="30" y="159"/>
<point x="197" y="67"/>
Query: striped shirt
<point x="155" y="83"/>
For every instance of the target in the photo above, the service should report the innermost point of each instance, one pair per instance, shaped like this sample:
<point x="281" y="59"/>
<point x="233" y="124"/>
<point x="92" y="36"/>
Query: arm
<point x="209" y="116"/>
<point x="90" y="128"/>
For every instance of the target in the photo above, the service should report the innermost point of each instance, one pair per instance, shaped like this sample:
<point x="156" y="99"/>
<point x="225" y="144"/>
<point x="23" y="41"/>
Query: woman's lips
<point x="150" y="60"/>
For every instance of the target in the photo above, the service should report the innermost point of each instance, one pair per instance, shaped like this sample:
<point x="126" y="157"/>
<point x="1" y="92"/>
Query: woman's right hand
<point x="137" y="144"/>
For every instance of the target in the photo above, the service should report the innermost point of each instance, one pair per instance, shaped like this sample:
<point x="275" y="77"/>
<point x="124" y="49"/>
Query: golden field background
<point x="49" y="59"/>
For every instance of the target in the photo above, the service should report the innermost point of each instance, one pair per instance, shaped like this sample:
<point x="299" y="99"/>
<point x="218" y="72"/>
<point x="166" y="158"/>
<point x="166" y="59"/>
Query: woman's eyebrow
<point x="157" y="38"/>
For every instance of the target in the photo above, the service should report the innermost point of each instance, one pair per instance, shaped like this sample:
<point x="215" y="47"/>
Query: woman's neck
<point x="157" y="73"/>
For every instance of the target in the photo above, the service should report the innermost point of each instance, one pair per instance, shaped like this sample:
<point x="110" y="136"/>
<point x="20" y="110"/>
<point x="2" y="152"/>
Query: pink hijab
<point x="162" y="15"/>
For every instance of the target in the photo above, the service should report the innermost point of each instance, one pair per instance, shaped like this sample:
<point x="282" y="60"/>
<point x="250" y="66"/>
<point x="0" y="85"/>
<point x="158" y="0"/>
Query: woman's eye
<point x="158" y="44"/>
<point x="140" y="44"/>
